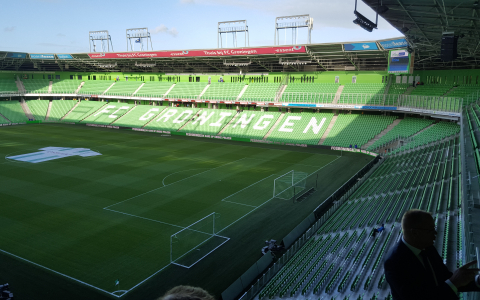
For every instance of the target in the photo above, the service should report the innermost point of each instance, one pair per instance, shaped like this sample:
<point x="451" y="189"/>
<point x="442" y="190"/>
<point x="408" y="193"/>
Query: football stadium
<point x="266" y="172"/>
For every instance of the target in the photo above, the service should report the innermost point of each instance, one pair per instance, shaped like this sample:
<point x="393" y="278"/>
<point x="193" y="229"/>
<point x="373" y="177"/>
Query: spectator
<point x="350" y="146"/>
<point x="184" y="292"/>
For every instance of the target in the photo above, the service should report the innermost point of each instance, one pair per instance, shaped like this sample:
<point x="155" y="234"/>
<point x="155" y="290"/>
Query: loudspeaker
<point x="449" y="48"/>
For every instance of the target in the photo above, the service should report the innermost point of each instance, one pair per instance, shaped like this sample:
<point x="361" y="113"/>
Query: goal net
<point x="290" y="184"/>
<point x="191" y="244"/>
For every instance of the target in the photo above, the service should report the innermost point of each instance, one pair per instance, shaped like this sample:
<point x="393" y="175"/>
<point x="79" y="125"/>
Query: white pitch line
<point x="238" y="203"/>
<point x="174" y="182"/>
<point x="56" y="272"/>
<point x="148" y="219"/>
<point x="163" y="181"/>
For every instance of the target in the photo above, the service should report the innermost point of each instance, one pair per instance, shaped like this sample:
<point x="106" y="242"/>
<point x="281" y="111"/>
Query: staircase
<point x="136" y="91"/>
<point x="274" y="126"/>
<point x="378" y="136"/>
<point x="203" y="92"/>
<point x="2" y="116"/>
<point x="48" y="110"/>
<point x="198" y="112"/>
<point x="241" y="93"/>
<point x="79" y="87"/>
<point x="162" y="112"/>
<point x="449" y="91"/>
<point x="409" y="90"/>
<point x="20" y="86"/>
<point x="338" y="94"/>
<point x="123" y="115"/>
<point x="70" y="110"/>
<point x="173" y="85"/>
<point x="423" y="130"/>
<point x="26" y="110"/>
<point x="50" y="86"/>
<point x="108" y="89"/>
<point x="231" y="121"/>
<point x="330" y="126"/>
<point x="278" y="96"/>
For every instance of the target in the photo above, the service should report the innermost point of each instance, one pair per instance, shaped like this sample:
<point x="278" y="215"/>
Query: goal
<point x="289" y="184"/>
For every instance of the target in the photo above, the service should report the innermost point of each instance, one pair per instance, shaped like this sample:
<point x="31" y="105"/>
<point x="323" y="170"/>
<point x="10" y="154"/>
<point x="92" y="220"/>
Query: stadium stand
<point x="435" y="133"/>
<point x="172" y="118"/>
<point x="406" y="128"/>
<point x="38" y="108"/>
<point x="356" y="129"/>
<point x="344" y="258"/>
<point x="8" y="86"/>
<point x="465" y="90"/>
<point x="60" y="108"/>
<point x="36" y="86"/>
<point x="108" y="113"/>
<point x="223" y="91"/>
<point x="301" y="128"/>
<point x="126" y="88"/>
<point x="154" y="89"/>
<point x="65" y="86"/>
<point x="83" y="110"/>
<point x="363" y="93"/>
<point x="95" y="87"/>
<point x="260" y="92"/>
<point x="432" y="89"/>
<point x="398" y="88"/>
<point x="139" y="116"/>
<point x="189" y="90"/>
<point x="12" y="110"/>
<point x="310" y="92"/>
<point x="251" y="124"/>
<point x="209" y="121"/>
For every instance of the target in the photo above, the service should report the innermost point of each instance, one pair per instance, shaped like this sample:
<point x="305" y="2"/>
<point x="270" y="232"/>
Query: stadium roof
<point x="423" y="23"/>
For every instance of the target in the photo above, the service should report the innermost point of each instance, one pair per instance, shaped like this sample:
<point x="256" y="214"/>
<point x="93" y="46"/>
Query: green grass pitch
<point x="77" y="224"/>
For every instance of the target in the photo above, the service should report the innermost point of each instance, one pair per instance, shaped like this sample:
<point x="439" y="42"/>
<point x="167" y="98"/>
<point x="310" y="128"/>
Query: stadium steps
<point x="79" y="87"/>
<point x="48" y="110"/>
<point x="240" y="95"/>
<point x="330" y="126"/>
<point x="409" y="90"/>
<point x="279" y="96"/>
<point x="138" y="89"/>
<point x="50" y="86"/>
<point x="274" y="126"/>
<point x="156" y="117"/>
<point x="108" y="88"/>
<point x="130" y="110"/>
<point x="231" y="121"/>
<point x="198" y="112"/>
<point x="428" y="127"/>
<point x="378" y="136"/>
<point x="100" y="108"/>
<point x="2" y="116"/>
<point x="203" y="92"/>
<point x="338" y="94"/>
<point x="449" y="91"/>
<point x="168" y="91"/>
<point x="20" y="86"/>
<point x="70" y="111"/>
<point x="27" y="111"/>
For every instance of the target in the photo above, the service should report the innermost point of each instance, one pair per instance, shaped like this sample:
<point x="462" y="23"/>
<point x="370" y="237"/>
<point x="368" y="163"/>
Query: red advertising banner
<point x="205" y="53"/>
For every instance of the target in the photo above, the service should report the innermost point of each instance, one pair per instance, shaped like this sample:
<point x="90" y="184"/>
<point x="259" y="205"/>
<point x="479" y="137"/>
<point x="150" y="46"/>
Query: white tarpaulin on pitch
<point x="51" y="153"/>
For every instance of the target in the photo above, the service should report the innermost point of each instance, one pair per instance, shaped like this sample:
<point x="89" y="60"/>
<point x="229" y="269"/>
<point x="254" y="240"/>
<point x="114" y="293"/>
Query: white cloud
<point x="9" y="29"/>
<point x="164" y="29"/>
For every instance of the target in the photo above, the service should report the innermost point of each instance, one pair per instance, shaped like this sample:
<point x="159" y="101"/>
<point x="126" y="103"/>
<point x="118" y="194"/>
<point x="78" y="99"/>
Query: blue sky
<point x="62" y="26"/>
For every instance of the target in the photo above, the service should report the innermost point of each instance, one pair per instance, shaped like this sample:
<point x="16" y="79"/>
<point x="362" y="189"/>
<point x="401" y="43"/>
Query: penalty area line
<point x="61" y="274"/>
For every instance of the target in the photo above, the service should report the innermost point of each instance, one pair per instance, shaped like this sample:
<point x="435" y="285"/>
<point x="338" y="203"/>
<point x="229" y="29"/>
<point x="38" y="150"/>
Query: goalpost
<point x="193" y="243"/>
<point x="289" y="184"/>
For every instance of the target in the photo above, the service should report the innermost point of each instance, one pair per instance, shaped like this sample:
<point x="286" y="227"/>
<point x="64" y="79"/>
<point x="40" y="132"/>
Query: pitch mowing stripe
<point x="56" y="272"/>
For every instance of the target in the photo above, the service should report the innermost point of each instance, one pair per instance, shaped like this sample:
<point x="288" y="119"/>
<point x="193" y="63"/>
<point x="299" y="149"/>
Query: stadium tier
<point x="139" y="116"/>
<point x="172" y="118"/>
<point x="95" y="87"/>
<point x="406" y="128"/>
<point x="310" y="92"/>
<point x="251" y="124"/>
<point x="36" y="86"/>
<point x="188" y="90"/>
<point x="301" y="128"/>
<point x="223" y="91"/>
<point x="108" y="113"/>
<point x="124" y="88"/>
<point x="435" y="133"/>
<point x="154" y="89"/>
<point x="38" y="108"/>
<point x="398" y="88"/>
<point x="353" y="129"/>
<point x="60" y="108"/>
<point x="260" y="92"/>
<point x="83" y="110"/>
<point x="65" y="86"/>
<point x="362" y="93"/>
<point x="209" y="121"/>
<point x="432" y="89"/>
<point x="12" y="110"/>
<point x="7" y="85"/>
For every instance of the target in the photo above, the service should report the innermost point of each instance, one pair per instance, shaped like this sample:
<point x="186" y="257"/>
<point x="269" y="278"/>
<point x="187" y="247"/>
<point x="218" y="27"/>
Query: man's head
<point x="418" y="228"/>
<point x="183" y="292"/>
